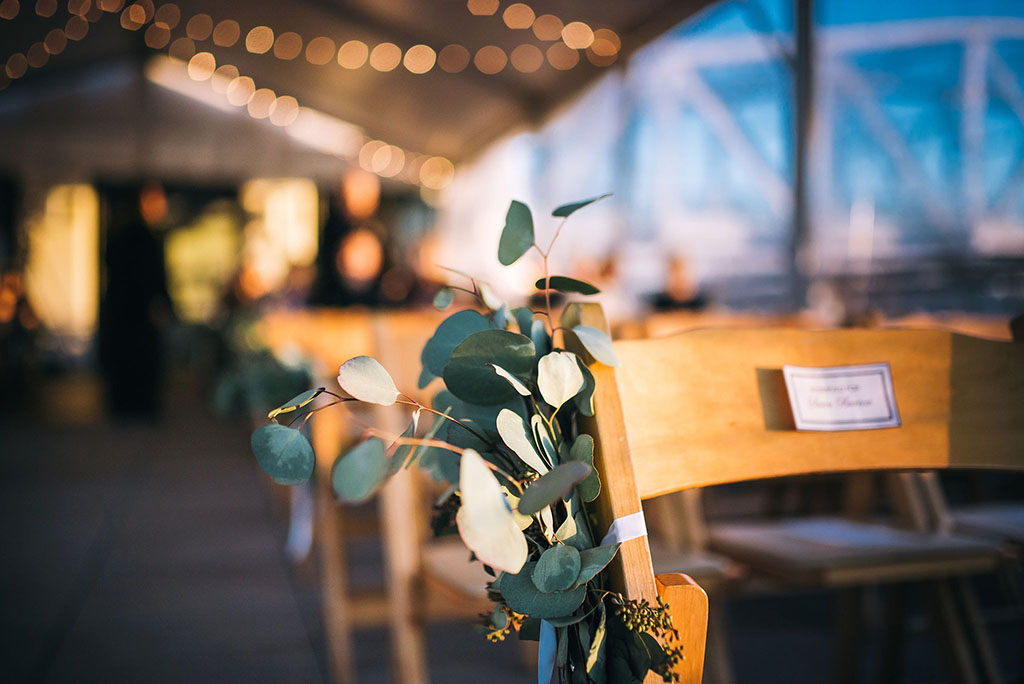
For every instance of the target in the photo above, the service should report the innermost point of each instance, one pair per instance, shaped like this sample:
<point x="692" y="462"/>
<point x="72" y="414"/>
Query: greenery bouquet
<point x="507" y="438"/>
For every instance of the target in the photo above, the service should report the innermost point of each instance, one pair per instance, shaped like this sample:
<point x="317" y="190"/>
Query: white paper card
<point x="842" y="397"/>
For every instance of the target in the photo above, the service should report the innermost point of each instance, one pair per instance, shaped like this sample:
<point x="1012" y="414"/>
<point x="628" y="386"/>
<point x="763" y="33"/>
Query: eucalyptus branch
<point x="418" y="405"/>
<point x="309" y="414"/>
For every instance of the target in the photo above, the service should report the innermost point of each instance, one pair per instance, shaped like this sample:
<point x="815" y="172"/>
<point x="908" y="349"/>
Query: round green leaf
<point x="583" y="450"/>
<point x="597" y="343"/>
<point x="452" y="331"/>
<point x="517" y="235"/>
<point x="283" y="453"/>
<point x="469" y="374"/>
<point x="524" y="319"/>
<point x="513" y="432"/>
<point x="593" y="561"/>
<point x="568" y="209"/>
<point x="523" y="596"/>
<point x="557" y="568"/>
<point x="296" y="402"/>
<point x="553" y="486"/>
<point x="485" y="522"/>
<point x="559" y="377"/>
<point x="443" y="299"/>
<point x="585" y="399"/>
<point x="360" y="471"/>
<point x="518" y="386"/>
<point x="540" y="337"/>
<point x="566" y="284"/>
<point x="365" y="379"/>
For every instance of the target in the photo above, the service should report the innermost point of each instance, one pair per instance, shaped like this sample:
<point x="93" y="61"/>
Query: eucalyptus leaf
<point x="524" y="521"/>
<point x="283" y="453"/>
<point x="530" y="630"/>
<point x="518" y="386"/>
<point x="469" y="375"/>
<point x="585" y="399"/>
<point x="597" y="343"/>
<point x="485" y="523"/>
<point x="567" y="284"/>
<point x="595" y="657"/>
<point x="557" y="568"/>
<point x="524" y="319"/>
<point x="365" y="379"/>
<point x="593" y="561"/>
<point x="513" y="432"/>
<point x="583" y="450"/>
<point x="567" y="531"/>
<point x="568" y="209"/>
<point x="552" y="487"/>
<point x="296" y="402"/>
<point x="517" y="235"/>
<point x="444" y="298"/>
<point x="563" y="647"/>
<point x="490" y="298"/>
<point x="426" y="377"/>
<point x="452" y="331"/>
<point x="523" y="596"/>
<point x="559" y="377"/>
<point x="543" y="439"/>
<point x="410" y="453"/>
<point x="540" y="337"/>
<point x="360" y="471"/>
<point x="402" y="455"/>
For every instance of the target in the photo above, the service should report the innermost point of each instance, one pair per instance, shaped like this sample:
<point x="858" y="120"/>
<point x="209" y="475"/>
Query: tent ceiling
<point x="454" y="115"/>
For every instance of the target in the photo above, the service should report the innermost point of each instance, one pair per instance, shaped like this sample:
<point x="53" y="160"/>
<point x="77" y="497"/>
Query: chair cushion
<point x="836" y="551"/>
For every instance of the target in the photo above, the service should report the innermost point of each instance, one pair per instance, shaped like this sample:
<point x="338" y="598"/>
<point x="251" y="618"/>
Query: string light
<point x="9" y="9"/>
<point x="56" y="40"/>
<point x="46" y="8"/>
<point x="490" y="59"/>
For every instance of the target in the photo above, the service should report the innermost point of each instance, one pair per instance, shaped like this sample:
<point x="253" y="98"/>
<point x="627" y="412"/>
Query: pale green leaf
<point x="557" y="568"/>
<point x="366" y="380"/>
<point x="543" y="439"/>
<point x="517" y="235"/>
<point x="490" y="298"/>
<point x="360" y="471"/>
<point x="283" y="453"/>
<point x="597" y="343"/>
<point x="512" y="380"/>
<point x="559" y="377"/>
<point x="523" y="521"/>
<point x="296" y="402"/>
<point x="585" y="399"/>
<point x="485" y="523"/>
<point x="443" y="299"/>
<point x="513" y="432"/>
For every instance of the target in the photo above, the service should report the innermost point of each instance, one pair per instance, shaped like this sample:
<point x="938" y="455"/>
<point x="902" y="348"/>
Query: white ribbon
<point x="625" y="528"/>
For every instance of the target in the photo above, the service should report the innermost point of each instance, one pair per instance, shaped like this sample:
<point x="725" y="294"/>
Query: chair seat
<point x="838" y="552"/>
<point x="998" y="521"/>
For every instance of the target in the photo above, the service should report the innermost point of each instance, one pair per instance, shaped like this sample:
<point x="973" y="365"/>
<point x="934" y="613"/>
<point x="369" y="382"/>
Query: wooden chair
<point x="690" y="411"/>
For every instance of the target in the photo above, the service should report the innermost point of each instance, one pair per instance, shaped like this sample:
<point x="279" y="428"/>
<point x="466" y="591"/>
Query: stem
<point x="413" y="402"/>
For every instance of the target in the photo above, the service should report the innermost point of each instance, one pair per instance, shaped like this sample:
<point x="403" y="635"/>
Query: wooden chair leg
<point x="984" y="655"/>
<point x="334" y="587"/>
<point x="951" y="638"/>
<point x="399" y="504"/>
<point x="688" y="607"/>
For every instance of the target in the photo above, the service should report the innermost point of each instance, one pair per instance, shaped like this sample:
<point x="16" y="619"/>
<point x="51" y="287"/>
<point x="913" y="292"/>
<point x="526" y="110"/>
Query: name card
<point x="842" y="397"/>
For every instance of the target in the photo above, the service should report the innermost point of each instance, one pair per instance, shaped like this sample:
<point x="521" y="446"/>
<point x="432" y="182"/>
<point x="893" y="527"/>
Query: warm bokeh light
<point x="260" y="102"/>
<point x="482" y="8"/>
<point x="157" y="37"/>
<point x="76" y="28"/>
<point x="240" y="91"/>
<point x="453" y="58"/>
<point x="46" y="8"/>
<point x="37" y="56"/>
<point x="106" y="5"/>
<point x="9" y="8"/>
<point x="490" y="59"/>
<point x="547" y="27"/>
<point x="577" y="35"/>
<point x="288" y="45"/>
<point x="62" y="273"/>
<point x="226" y="33"/>
<point x="518" y="16"/>
<point x="606" y="42"/>
<point x="201" y="66"/>
<point x="79" y="7"/>
<point x="436" y="173"/>
<point x="16" y="66"/>
<point x="199" y="27"/>
<point x="360" y="191"/>
<point x="367" y="152"/>
<point x="259" y="40"/>
<point x="284" y="110"/>
<point x="126" y="19"/>
<point x="137" y="14"/>
<point x="202" y="259"/>
<point x="360" y="256"/>
<point x="320" y="50"/>
<point x="419" y="59"/>
<point x="325" y="133"/>
<point x="561" y="57"/>
<point x="385" y="57"/>
<point x="527" y="58"/>
<point x="55" y="41"/>
<point x="182" y="49"/>
<point x="168" y="16"/>
<point x="395" y="162"/>
<point x="223" y="77"/>
<point x="600" y="60"/>
<point x="353" y="54"/>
